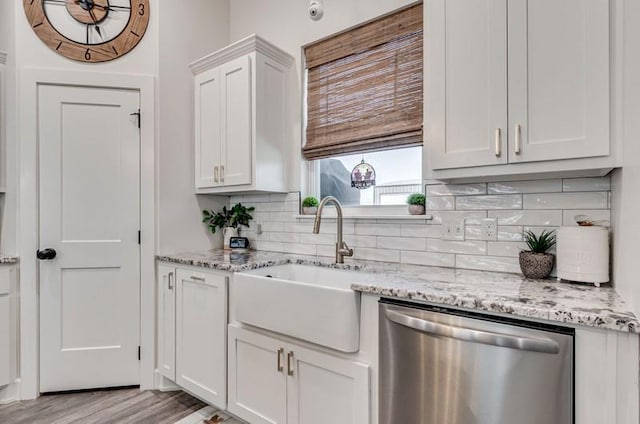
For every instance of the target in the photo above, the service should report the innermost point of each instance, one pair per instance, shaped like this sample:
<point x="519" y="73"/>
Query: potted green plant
<point x="416" y="203"/>
<point x="309" y="205"/>
<point x="536" y="262"/>
<point x="228" y="220"/>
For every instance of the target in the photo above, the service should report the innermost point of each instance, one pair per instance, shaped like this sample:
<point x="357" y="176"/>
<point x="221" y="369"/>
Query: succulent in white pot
<point x="309" y="205"/>
<point x="536" y="263"/>
<point x="416" y="203"/>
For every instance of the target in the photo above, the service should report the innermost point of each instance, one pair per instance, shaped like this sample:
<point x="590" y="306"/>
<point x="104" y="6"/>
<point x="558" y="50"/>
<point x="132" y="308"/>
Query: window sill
<point x="384" y="217"/>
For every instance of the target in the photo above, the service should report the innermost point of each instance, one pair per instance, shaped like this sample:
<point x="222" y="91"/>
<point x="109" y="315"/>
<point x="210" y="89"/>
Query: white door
<point x="89" y="158"/>
<point x="235" y="87"/>
<point x="167" y="321"/>
<point x="208" y="132"/>
<point x="257" y="378"/>
<point x="558" y="79"/>
<point x="319" y="380"/>
<point x="466" y="82"/>
<point x="201" y="324"/>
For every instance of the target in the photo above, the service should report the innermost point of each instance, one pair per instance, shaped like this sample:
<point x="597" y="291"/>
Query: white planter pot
<point x="227" y="233"/>
<point x="309" y="210"/>
<point x="416" y="209"/>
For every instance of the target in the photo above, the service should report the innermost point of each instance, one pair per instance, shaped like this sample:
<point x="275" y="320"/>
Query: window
<point x="398" y="174"/>
<point x="364" y="102"/>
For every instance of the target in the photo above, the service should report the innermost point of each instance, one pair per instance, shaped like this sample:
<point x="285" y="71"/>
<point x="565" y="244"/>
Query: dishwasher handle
<point x="474" y="336"/>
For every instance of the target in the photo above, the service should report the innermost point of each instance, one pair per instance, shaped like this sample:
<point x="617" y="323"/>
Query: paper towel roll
<point x="583" y="254"/>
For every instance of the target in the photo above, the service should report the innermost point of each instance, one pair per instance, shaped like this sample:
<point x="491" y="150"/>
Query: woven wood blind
<point x="364" y="89"/>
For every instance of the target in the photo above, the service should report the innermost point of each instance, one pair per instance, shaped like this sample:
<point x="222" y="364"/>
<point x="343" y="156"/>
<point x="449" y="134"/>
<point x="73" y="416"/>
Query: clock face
<point x="89" y="30"/>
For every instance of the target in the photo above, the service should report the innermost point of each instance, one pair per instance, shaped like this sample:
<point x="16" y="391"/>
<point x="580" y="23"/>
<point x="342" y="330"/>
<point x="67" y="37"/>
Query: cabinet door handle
<point x="196" y="278"/>
<point x="280" y="354"/>
<point x="222" y="174"/>
<point x="498" y="141"/>
<point x="170" y="283"/>
<point x="289" y="365"/>
<point x="517" y="142"/>
<point x="215" y="174"/>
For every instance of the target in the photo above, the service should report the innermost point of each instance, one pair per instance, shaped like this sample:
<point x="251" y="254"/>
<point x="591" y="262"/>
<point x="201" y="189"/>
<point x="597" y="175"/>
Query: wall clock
<point x="89" y="30"/>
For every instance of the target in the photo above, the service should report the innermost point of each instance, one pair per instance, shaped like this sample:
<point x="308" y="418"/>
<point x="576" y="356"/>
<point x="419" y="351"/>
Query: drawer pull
<point x="289" y="364"/>
<point x="196" y="278"/>
<point x="518" y="142"/>
<point x="280" y="354"/>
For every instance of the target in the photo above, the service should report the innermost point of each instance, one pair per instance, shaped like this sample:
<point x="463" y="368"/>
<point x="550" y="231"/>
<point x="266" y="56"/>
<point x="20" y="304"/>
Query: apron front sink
<point x="310" y="303"/>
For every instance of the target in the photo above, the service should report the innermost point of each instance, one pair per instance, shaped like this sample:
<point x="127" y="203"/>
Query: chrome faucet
<point x="342" y="249"/>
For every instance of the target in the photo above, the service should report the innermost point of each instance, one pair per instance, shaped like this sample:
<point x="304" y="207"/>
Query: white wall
<point x="7" y="169"/>
<point x="626" y="182"/>
<point x="8" y="219"/>
<point x="286" y="24"/>
<point x="6" y="25"/>
<point x="29" y="52"/>
<point x="186" y="34"/>
<point x="534" y="205"/>
<point x="34" y="53"/>
<point x="176" y="36"/>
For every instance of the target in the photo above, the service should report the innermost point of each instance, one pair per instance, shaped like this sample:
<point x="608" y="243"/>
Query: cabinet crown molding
<point x="3" y="58"/>
<point x="245" y="46"/>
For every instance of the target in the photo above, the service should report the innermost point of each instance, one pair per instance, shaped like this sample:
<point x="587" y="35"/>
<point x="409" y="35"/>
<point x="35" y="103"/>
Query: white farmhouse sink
<point x="306" y="302"/>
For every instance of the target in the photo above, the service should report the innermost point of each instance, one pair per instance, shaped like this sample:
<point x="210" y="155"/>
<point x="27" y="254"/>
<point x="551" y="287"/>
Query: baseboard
<point x="163" y="384"/>
<point x="206" y="413"/>
<point x="10" y="393"/>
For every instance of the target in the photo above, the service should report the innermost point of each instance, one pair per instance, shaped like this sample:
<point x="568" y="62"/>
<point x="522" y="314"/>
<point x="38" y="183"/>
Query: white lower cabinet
<point x="201" y="314"/>
<point x="273" y="382"/>
<point x="192" y="331"/>
<point x="325" y="387"/>
<point x="5" y="329"/>
<point x="257" y="377"/>
<point x="167" y="321"/>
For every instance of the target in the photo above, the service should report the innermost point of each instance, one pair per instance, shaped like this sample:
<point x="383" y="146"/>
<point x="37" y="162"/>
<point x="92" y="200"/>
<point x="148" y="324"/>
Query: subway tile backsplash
<point x="518" y="206"/>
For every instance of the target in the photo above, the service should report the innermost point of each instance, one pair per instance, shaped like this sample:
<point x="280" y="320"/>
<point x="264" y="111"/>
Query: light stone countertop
<point x="4" y="259"/>
<point x="477" y="290"/>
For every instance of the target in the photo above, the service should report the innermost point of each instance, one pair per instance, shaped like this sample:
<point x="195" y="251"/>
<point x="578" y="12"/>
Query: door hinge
<point x="137" y="114"/>
<point x="139" y="237"/>
<point x="139" y="353"/>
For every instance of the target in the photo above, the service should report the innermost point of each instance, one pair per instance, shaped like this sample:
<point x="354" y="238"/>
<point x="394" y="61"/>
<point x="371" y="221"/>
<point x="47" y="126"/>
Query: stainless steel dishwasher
<point x="445" y="366"/>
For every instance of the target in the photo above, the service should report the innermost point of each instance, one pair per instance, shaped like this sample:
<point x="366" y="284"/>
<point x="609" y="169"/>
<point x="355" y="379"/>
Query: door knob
<point x="46" y="254"/>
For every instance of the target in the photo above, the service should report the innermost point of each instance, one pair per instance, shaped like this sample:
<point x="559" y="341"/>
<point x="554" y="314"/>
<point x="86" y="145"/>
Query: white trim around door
<point x="28" y="236"/>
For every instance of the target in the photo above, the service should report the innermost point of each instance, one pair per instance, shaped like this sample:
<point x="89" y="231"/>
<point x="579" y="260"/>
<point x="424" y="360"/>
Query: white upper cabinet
<point x="467" y="96"/>
<point x="517" y="90"/>
<point x="558" y="79"/>
<point x="236" y="156"/>
<point x="243" y="125"/>
<point x="208" y="130"/>
<point x="3" y="120"/>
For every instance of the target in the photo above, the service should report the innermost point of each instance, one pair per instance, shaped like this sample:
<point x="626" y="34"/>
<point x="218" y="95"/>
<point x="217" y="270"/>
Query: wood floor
<point x="122" y="406"/>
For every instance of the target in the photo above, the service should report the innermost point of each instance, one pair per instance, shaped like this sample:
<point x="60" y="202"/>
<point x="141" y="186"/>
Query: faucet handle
<point x="345" y="250"/>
